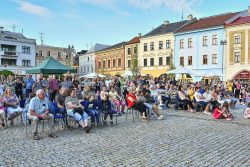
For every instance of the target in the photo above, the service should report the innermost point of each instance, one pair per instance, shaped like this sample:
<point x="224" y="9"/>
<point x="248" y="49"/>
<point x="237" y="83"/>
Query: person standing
<point x="28" y="85"/>
<point x="18" y="88"/>
<point x="54" y="87"/>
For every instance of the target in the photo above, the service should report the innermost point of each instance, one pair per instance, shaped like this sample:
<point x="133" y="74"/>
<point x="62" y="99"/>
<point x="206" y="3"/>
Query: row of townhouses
<point x="217" y="44"/>
<point x="18" y="53"/>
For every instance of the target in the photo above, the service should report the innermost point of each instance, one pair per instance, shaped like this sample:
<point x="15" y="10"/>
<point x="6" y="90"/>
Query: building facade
<point x="132" y="50"/>
<point x="17" y="52"/>
<point x="197" y="45"/>
<point x="63" y="55"/>
<point x="110" y="61"/>
<point x="87" y="60"/>
<point x="238" y="49"/>
<point x="157" y="49"/>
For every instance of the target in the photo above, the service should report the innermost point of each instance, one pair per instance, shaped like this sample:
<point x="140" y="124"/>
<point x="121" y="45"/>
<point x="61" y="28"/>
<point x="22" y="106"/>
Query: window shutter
<point x="242" y="56"/>
<point x="231" y="47"/>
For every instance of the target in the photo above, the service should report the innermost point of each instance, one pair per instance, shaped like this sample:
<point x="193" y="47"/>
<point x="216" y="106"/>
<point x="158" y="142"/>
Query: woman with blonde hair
<point x="11" y="102"/>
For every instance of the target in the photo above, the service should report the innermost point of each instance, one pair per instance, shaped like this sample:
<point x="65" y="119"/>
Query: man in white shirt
<point x="202" y="101"/>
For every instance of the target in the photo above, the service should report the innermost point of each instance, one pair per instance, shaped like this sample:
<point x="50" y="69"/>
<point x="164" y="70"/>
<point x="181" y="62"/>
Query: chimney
<point x="190" y="17"/>
<point x="166" y="22"/>
<point x="139" y="34"/>
<point x="248" y="10"/>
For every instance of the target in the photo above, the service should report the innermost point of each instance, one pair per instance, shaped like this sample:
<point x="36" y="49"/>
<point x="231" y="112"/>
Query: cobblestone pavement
<point x="181" y="139"/>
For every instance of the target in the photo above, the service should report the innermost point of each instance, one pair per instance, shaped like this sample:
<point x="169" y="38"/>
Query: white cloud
<point x="99" y="3"/>
<point x="173" y="5"/>
<point x="33" y="9"/>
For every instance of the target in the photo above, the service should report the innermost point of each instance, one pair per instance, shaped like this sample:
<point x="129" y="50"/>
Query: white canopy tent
<point x="93" y="75"/>
<point x="179" y="71"/>
<point x="128" y="74"/>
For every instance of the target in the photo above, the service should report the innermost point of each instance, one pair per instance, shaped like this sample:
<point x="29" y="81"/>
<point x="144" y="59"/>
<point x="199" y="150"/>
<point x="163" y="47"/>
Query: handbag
<point x="78" y="110"/>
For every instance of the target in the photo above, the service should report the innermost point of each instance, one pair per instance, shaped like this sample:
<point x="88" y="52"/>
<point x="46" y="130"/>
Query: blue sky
<point x="82" y="22"/>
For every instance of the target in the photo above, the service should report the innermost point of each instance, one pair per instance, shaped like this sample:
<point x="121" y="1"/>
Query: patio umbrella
<point x="93" y="75"/>
<point x="211" y="74"/>
<point x="128" y="74"/>
<point x="183" y="70"/>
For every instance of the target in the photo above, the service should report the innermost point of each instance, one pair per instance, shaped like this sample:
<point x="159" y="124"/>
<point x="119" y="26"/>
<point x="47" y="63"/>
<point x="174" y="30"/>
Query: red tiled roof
<point x="240" y="20"/>
<point x="208" y="22"/>
<point x="134" y="40"/>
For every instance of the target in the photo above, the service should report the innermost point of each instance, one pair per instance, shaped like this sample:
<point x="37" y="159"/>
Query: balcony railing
<point x="9" y="53"/>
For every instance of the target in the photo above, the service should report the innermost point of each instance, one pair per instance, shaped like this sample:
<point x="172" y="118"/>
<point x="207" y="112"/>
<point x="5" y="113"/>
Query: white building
<point x="17" y="52"/>
<point x="87" y="61"/>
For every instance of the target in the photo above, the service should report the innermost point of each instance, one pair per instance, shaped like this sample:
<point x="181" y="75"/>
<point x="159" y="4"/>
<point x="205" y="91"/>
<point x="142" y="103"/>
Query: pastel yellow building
<point x="157" y="49"/>
<point x="238" y="49"/>
<point x="110" y="61"/>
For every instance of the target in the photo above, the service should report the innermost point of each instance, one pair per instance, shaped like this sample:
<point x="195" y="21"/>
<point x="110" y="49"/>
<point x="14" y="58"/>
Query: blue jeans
<point x="28" y="91"/>
<point x="203" y="103"/>
<point x="94" y="114"/>
<point x="84" y="117"/>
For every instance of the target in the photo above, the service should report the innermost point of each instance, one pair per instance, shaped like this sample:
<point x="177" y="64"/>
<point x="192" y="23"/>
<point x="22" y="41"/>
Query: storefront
<point x="244" y="75"/>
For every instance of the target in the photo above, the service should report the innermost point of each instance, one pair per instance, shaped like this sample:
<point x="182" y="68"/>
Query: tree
<point x="135" y="68"/>
<point x="6" y="73"/>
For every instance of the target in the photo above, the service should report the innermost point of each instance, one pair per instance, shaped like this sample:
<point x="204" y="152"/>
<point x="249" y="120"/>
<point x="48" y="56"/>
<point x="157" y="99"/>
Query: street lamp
<point x="223" y="43"/>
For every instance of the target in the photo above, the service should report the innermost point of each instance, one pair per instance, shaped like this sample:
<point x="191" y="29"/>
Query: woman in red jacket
<point x="133" y="102"/>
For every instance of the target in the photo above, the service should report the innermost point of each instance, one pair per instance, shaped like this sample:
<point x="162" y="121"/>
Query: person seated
<point x="2" y="113"/>
<point x="39" y="109"/>
<point x="215" y="97"/>
<point x="90" y="106"/>
<point x="106" y="108"/>
<point x="229" y="98"/>
<point x="247" y="112"/>
<point x="26" y="107"/>
<point x="76" y="110"/>
<point x="103" y="96"/>
<point x="133" y="102"/>
<point x="202" y="101"/>
<point x="11" y="102"/>
<point x="188" y="105"/>
<point x="150" y="104"/>
<point x="60" y="101"/>
<point x="220" y="113"/>
<point x="117" y="100"/>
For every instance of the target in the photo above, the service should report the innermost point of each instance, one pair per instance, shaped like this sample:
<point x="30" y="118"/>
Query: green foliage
<point x="135" y="67"/>
<point x="6" y="73"/>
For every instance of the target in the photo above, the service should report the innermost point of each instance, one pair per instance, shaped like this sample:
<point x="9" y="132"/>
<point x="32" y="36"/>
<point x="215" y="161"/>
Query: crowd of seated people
<point x="109" y="99"/>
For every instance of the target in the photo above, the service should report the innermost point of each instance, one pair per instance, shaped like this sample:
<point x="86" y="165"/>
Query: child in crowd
<point x="26" y="108"/>
<point x="247" y="112"/>
<point x="220" y="113"/>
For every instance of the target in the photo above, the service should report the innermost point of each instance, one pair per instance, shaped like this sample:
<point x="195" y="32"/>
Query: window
<point x="48" y="53"/>
<point x="129" y="51"/>
<point x="129" y="63"/>
<point x="151" y="61"/>
<point x="160" y="61"/>
<point x="87" y="69"/>
<point x="167" y="44"/>
<point x="59" y="54"/>
<point x="190" y="44"/>
<point x="160" y="45"/>
<point x="182" y="61"/>
<point x="113" y="62"/>
<point x="204" y="59"/>
<point x="104" y="64"/>
<point x="25" y="49"/>
<point x="152" y="46"/>
<point x="190" y="60"/>
<point x="88" y="59"/>
<point x="145" y="62"/>
<point x="145" y="47"/>
<point x="108" y="63"/>
<point x="10" y="62"/>
<point x="237" y="40"/>
<point x="168" y="61"/>
<point x="40" y="53"/>
<point x="215" y="40"/>
<point x="237" y="57"/>
<point x="182" y="43"/>
<point x="204" y="40"/>
<point x="214" y="59"/>
<point x="119" y="62"/>
<point x="99" y="64"/>
<point x="135" y="50"/>
<point x="26" y="63"/>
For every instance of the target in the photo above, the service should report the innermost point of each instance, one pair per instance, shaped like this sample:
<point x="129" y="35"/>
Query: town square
<point x="138" y="83"/>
